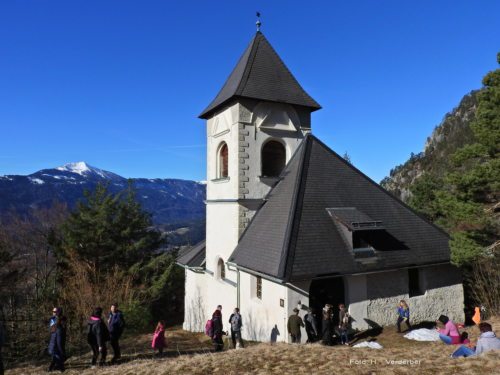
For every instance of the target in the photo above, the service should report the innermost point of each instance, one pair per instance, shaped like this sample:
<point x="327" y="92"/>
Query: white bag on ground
<point x="368" y="344"/>
<point x="423" y="334"/>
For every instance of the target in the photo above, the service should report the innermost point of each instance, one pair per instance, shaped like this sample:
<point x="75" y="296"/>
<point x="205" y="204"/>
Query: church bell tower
<point x="254" y="125"/>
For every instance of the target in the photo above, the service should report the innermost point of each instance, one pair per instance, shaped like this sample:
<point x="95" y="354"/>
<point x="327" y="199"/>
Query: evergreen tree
<point x="107" y="230"/>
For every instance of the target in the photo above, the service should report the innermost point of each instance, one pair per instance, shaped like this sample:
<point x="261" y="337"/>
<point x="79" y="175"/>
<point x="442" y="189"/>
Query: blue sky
<point x="119" y="84"/>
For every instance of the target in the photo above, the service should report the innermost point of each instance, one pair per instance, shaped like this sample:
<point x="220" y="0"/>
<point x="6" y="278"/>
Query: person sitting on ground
<point x="294" y="324"/>
<point x="343" y="324"/>
<point x="449" y="334"/>
<point x="311" y="326"/>
<point x="487" y="341"/>
<point x="217" y="329"/>
<point x="158" y="342"/>
<point x="403" y="315"/>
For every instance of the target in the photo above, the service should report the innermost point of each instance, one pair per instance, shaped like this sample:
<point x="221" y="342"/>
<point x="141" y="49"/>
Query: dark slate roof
<point x="193" y="257"/>
<point x="261" y="74"/>
<point x="292" y="236"/>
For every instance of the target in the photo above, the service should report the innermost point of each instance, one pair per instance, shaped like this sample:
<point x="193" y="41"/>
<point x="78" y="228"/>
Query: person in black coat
<point x="217" y="329"/>
<point x="56" y="346"/>
<point x="97" y="336"/>
<point x="116" y="324"/>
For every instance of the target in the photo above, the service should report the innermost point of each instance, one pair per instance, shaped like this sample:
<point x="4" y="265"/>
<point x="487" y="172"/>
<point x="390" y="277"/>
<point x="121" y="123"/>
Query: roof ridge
<point x="286" y="260"/>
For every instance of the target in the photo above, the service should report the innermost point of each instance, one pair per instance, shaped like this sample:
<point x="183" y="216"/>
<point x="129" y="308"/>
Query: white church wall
<point x="356" y="300"/>
<point x="223" y="127"/>
<point x="262" y="317"/>
<point x="222" y="232"/>
<point x="195" y="309"/>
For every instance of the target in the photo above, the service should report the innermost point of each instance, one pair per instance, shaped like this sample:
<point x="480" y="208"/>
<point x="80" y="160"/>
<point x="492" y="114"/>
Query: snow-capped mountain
<point x="170" y="201"/>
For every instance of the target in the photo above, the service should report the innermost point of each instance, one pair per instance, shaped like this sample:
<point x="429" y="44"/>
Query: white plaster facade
<point x="231" y="202"/>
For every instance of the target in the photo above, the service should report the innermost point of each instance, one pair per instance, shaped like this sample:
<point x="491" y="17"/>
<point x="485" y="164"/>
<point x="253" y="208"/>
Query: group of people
<point x="329" y="325"/>
<point x="99" y="333"/>
<point x="450" y="334"/>
<point x="215" y="329"/>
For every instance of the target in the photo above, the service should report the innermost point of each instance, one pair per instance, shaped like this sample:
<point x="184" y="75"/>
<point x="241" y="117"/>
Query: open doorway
<point x="323" y="291"/>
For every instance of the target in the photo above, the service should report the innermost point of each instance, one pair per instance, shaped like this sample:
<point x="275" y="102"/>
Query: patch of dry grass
<point x="190" y="353"/>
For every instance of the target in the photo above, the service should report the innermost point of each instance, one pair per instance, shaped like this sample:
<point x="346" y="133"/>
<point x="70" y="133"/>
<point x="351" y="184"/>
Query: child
<point x="464" y="338"/>
<point x="403" y="315"/>
<point x="343" y="324"/>
<point x="159" y="337"/>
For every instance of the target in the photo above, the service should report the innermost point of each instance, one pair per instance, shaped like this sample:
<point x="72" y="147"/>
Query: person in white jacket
<point x="486" y="342"/>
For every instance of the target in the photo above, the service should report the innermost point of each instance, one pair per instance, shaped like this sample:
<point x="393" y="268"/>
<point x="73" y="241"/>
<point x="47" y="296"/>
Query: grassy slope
<point x="190" y="354"/>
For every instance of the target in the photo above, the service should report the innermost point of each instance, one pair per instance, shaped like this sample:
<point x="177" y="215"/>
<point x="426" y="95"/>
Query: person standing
<point x="403" y="315"/>
<point x="116" y="324"/>
<point x="56" y="346"/>
<point x="217" y="329"/>
<point x="327" y="332"/>
<point x="159" y="338"/>
<point x="294" y="324"/>
<point x="97" y="336"/>
<point x="236" y="324"/>
<point x="311" y="326"/>
<point x="343" y="324"/>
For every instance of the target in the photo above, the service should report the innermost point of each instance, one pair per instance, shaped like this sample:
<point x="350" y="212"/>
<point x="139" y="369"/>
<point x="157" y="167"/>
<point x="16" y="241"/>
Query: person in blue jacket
<point x="116" y="324"/>
<point x="56" y="346"/>
<point x="403" y="315"/>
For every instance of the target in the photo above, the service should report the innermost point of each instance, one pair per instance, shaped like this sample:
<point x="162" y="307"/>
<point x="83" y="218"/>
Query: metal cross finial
<point x="258" y="23"/>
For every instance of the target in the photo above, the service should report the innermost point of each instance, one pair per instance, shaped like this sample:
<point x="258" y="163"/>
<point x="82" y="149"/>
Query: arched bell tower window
<point x="273" y="159"/>
<point x="221" y="269"/>
<point x="222" y="161"/>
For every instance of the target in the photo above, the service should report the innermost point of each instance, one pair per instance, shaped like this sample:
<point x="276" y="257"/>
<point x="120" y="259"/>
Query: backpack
<point x="345" y="320"/>
<point x="209" y="328"/>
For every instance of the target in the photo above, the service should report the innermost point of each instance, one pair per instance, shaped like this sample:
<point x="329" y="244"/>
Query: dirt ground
<point x="191" y="353"/>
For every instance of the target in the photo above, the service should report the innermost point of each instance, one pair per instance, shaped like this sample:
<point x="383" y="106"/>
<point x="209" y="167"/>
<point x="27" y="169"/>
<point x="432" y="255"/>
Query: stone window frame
<point x="222" y="162"/>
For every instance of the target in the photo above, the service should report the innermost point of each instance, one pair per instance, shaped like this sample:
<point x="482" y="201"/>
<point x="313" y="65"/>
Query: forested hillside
<point x="455" y="183"/>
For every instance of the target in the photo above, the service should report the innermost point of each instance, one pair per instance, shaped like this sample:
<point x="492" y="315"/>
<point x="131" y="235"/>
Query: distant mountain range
<point x="173" y="203"/>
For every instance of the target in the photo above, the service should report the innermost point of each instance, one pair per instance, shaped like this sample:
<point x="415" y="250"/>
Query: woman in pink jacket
<point x="449" y="334"/>
<point x="159" y="337"/>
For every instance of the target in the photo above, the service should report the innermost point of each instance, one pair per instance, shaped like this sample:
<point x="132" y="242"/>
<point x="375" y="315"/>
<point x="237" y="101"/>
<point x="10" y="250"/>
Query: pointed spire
<point x="261" y="74"/>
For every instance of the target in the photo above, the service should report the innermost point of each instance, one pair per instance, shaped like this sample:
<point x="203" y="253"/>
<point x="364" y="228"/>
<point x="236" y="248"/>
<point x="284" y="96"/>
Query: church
<point x="291" y="224"/>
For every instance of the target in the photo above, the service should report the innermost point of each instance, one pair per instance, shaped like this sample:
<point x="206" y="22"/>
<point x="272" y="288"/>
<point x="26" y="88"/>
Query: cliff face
<point x="453" y="133"/>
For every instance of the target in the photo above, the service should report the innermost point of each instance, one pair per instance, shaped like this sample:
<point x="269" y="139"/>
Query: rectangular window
<point x="414" y="284"/>
<point x="259" y="287"/>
